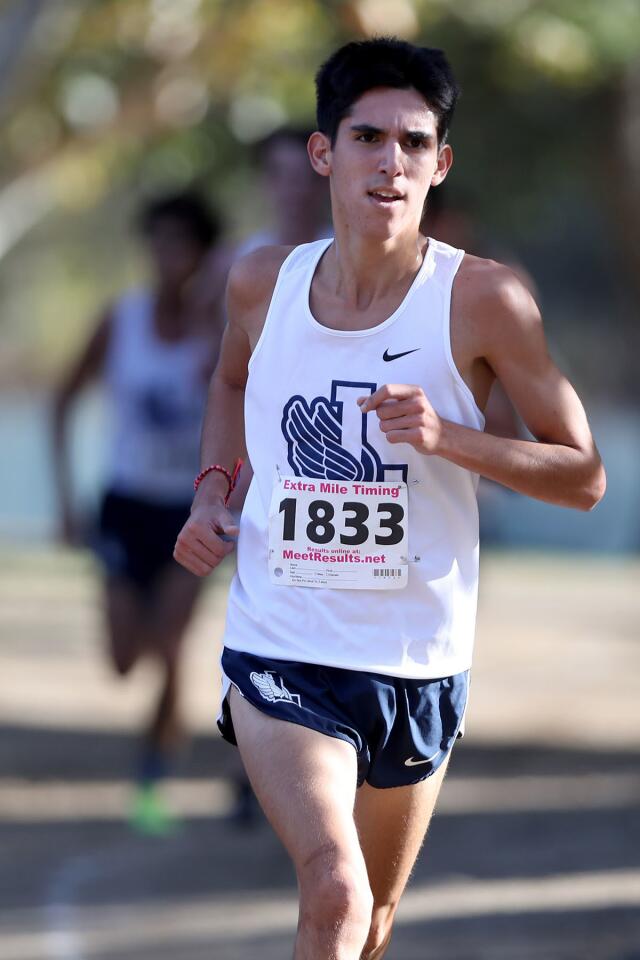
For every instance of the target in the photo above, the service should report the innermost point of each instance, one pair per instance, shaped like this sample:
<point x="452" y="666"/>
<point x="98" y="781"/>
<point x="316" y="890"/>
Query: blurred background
<point x="107" y="103"/>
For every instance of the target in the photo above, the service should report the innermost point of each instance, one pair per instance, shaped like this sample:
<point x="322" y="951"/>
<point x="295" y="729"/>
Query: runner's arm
<point x="562" y="466"/>
<point x="223" y="428"/>
<point x="200" y="547"/>
<point x="87" y="367"/>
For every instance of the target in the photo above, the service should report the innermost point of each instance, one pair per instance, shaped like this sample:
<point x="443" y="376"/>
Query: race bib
<point x="339" y="534"/>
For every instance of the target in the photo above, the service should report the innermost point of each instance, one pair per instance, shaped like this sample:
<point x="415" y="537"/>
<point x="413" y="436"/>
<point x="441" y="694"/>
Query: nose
<point x="390" y="162"/>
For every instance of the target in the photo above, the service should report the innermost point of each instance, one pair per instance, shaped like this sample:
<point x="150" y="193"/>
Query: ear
<point x="319" y="150"/>
<point x="445" y="160"/>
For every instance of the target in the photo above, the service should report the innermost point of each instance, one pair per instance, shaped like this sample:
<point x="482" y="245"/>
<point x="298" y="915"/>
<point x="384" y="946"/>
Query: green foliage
<point x="116" y="98"/>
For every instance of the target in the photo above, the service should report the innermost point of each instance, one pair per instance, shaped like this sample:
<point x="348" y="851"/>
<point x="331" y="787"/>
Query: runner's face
<point x="175" y="254"/>
<point x="383" y="162"/>
<point x="290" y="180"/>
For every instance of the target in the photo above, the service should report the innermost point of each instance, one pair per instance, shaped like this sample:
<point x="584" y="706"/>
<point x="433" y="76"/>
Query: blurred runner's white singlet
<point x="305" y="432"/>
<point x="157" y="392"/>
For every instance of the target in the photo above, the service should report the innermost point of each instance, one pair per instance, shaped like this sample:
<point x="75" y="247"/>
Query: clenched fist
<point x="405" y="416"/>
<point x="200" y="547"/>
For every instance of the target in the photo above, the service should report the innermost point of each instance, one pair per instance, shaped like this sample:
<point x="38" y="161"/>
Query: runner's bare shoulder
<point x="252" y="279"/>
<point x="489" y="298"/>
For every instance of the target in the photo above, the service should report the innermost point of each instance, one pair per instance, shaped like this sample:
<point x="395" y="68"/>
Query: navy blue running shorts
<point x="401" y="730"/>
<point x="136" y="537"/>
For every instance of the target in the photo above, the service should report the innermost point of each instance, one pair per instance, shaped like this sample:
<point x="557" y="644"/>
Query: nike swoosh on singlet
<point x="396" y="356"/>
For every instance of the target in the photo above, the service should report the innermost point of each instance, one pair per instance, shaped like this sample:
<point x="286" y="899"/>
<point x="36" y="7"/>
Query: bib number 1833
<point x="355" y="516"/>
<point x="342" y="535"/>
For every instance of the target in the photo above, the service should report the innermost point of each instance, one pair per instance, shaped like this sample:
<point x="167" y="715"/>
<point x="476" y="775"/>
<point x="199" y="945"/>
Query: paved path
<point x="534" y="853"/>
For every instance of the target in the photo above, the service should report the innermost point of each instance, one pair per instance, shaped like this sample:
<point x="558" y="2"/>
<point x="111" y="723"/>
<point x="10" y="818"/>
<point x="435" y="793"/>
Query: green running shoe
<point x="150" y="814"/>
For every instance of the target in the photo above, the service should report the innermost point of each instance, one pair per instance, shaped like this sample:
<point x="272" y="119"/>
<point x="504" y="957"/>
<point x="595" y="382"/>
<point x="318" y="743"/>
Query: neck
<point x="171" y="317"/>
<point x="171" y="295"/>
<point x="365" y="269"/>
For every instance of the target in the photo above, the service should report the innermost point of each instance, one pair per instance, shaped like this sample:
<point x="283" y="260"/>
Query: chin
<point x="382" y="229"/>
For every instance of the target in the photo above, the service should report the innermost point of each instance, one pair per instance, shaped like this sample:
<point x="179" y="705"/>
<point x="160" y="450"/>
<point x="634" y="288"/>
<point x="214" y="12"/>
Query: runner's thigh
<point x="173" y="601"/>
<point x="305" y="782"/>
<point x="125" y="618"/>
<point x="392" y="824"/>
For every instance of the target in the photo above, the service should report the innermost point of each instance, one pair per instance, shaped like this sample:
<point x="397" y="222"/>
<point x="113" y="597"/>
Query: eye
<point x="417" y="143"/>
<point x="367" y="137"/>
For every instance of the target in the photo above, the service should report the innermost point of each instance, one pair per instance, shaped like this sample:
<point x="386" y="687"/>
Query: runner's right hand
<point x="200" y="547"/>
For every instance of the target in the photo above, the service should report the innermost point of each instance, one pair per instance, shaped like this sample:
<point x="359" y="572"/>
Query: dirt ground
<point x="534" y="851"/>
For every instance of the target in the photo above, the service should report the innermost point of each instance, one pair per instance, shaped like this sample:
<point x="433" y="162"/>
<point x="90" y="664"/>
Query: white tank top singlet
<point x="157" y="393"/>
<point x="300" y="367"/>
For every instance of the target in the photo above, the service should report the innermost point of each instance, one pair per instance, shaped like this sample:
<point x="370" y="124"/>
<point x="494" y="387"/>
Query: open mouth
<point x="386" y="197"/>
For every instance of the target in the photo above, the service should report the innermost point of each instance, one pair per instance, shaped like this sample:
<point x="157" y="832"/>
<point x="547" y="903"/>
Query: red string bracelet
<point x="232" y="478"/>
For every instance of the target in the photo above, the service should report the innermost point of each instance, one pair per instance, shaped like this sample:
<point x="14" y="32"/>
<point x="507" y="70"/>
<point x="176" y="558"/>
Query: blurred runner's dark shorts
<point x="136" y="537"/>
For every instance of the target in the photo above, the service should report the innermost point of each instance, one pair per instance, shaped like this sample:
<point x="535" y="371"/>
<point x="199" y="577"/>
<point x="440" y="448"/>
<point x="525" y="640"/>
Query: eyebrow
<point x="414" y="134"/>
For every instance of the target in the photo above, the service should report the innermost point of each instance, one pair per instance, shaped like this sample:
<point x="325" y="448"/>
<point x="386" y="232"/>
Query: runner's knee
<point x="379" y="930"/>
<point x="125" y="649"/>
<point x="124" y="659"/>
<point x="334" y="891"/>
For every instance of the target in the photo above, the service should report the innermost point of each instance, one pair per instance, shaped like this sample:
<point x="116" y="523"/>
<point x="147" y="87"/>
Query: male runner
<point x="359" y="368"/>
<point x="153" y="349"/>
<point x="297" y="199"/>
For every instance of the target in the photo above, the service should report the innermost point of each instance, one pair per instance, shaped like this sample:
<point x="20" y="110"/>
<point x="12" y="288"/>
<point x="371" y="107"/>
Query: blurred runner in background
<point x="297" y="196"/>
<point x="452" y="221"/>
<point x="154" y="349"/>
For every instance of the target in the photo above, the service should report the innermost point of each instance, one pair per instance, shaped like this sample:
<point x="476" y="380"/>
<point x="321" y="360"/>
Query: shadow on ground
<point x="61" y="872"/>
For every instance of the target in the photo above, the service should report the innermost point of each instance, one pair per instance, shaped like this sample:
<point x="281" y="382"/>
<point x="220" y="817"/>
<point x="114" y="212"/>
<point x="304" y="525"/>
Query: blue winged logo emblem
<point x="314" y="431"/>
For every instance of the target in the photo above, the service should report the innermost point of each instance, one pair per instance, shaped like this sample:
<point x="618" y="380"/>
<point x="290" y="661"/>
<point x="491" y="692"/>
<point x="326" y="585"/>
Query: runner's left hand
<point x="405" y="416"/>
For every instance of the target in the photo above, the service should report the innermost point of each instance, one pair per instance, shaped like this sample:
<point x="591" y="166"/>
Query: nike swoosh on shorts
<point x="414" y="763"/>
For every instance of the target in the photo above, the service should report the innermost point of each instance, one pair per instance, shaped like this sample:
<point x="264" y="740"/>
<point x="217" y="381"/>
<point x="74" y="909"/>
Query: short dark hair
<point x="188" y="208"/>
<point x="384" y="62"/>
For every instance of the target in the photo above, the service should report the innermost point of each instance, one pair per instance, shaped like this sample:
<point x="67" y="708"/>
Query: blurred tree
<point x="105" y="99"/>
<point x="16" y="23"/>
